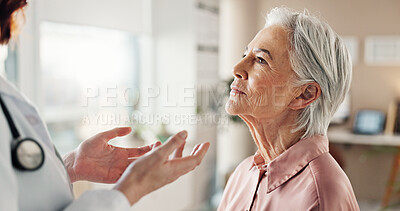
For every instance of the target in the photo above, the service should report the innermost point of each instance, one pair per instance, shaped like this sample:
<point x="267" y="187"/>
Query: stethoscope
<point x="26" y="153"/>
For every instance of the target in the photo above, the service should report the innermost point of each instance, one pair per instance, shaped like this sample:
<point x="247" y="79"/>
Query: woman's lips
<point x="235" y="91"/>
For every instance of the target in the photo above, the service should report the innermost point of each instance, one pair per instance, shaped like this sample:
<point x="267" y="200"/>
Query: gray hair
<point x="317" y="54"/>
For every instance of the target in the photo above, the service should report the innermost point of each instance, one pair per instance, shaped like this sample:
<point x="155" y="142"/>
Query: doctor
<point x="34" y="177"/>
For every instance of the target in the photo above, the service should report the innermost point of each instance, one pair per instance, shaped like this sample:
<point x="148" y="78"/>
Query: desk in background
<point x="345" y="136"/>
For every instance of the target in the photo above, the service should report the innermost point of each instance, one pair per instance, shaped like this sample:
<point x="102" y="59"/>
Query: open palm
<point x="97" y="161"/>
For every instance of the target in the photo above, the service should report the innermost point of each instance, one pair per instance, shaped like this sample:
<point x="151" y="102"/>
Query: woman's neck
<point x="273" y="137"/>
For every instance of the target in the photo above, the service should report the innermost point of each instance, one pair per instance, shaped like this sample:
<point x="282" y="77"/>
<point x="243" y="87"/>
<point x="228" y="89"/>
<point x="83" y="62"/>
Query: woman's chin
<point x="232" y="108"/>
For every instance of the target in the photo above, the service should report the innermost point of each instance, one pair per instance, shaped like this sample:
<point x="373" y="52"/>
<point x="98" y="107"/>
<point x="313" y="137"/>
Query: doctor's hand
<point x="155" y="169"/>
<point x="97" y="161"/>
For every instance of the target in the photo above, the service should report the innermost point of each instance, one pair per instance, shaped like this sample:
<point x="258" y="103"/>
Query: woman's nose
<point x="239" y="71"/>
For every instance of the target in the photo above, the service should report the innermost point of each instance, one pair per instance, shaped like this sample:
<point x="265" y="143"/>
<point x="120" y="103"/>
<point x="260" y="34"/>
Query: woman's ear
<point x="309" y="93"/>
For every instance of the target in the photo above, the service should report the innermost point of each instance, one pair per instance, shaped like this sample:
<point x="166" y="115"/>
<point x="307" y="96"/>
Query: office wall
<point x="126" y="15"/>
<point x="238" y="26"/>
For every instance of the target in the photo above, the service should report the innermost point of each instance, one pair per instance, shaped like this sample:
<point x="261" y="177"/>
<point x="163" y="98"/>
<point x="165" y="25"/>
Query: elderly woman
<point x="293" y="76"/>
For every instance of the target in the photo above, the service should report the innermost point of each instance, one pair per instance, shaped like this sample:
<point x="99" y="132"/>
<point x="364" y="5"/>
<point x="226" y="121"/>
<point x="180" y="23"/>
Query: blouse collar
<point x="293" y="160"/>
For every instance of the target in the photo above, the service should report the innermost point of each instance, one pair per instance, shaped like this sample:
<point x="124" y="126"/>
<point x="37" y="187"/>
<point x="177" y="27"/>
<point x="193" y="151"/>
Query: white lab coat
<point x="48" y="188"/>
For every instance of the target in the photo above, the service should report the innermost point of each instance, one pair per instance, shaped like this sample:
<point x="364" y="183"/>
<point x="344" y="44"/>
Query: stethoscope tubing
<point x="17" y="142"/>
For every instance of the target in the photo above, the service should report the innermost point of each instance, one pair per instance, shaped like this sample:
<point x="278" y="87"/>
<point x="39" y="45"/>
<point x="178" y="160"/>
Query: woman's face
<point x="263" y="85"/>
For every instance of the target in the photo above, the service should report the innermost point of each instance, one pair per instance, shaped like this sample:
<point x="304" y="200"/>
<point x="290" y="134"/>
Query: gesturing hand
<point x="154" y="170"/>
<point x="97" y="161"/>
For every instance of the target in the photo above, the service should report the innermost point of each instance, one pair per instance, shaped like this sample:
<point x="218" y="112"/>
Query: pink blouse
<point x="305" y="177"/>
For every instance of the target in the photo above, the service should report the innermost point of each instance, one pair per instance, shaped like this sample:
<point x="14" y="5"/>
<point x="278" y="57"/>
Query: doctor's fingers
<point x="195" y="149"/>
<point x="115" y="132"/>
<point x="136" y="152"/>
<point x="157" y="144"/>
<point x="187" y="164"/>
<point x="172" y="144"/>
<point x="178" y="152"/>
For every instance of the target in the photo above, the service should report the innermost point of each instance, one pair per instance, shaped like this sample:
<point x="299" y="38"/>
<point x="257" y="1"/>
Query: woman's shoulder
<point x="332" y="184"/>
<point x="246" y="164"/>
<point x="242" y="169"/>
<point x="324" y="168"/>
<point x="249" y="161"/>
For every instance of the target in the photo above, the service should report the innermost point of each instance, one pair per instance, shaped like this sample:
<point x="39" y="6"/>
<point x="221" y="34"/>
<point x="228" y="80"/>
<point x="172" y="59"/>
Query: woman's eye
<point x="261" y="60"/>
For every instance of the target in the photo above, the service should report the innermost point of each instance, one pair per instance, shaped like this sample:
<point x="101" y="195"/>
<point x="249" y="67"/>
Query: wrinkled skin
<point x="265" y="81"/>
<point x="264" y="93"/>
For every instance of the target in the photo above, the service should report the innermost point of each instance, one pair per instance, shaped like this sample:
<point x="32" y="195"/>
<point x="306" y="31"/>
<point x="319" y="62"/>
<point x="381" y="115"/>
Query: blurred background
<point x="162" y="66"/>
